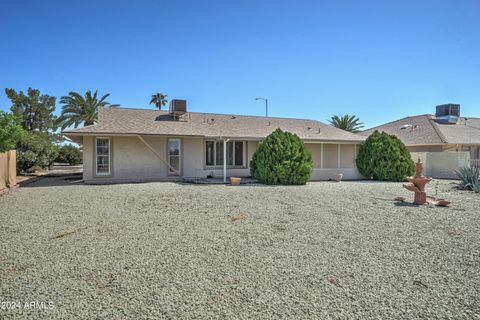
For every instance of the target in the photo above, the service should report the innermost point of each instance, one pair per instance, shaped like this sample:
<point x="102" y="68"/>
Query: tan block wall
<point x="442" y="165"/>
<point x="329" y="174"/>
<point x="133" y="160"/>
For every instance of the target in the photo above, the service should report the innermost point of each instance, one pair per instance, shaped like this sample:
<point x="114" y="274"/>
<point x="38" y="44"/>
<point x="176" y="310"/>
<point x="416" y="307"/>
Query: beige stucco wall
<point x="425" y="148"/>
<point x="316" y="151"/>
<point x="88" y="161"/>
<point x="133" y="161"/>
<point x="330" y="161"/>
<point x="330" y="155"/>
<point x="347" y="156"/>
<point x="194" y="160"/>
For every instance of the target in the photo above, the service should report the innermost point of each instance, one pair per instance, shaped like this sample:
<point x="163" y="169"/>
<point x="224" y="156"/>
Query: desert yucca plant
<point x="469" y="178"/>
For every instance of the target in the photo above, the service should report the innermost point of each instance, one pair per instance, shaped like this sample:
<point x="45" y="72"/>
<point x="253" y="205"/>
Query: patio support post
<point x="338" y="156"/>
<point x="355" y="154"/>
<point x="224" y="160"/>
<point x="321" y="155"/>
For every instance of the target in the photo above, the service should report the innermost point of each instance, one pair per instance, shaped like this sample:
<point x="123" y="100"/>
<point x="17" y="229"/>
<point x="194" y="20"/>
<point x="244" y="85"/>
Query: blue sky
<point x="380" y="60"/>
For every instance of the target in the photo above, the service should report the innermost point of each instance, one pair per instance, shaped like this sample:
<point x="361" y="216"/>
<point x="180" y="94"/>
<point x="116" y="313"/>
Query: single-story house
<point x="147" y="145"/>
<point x="445" y="132"/>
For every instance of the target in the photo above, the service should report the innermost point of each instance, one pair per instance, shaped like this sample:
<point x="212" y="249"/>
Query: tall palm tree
<point x="78" y="109"/>
<point x="159" y="100"/>
<point x="350" y="123"/>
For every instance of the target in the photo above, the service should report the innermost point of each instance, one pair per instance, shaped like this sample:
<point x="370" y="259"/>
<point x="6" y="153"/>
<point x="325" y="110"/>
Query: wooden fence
<point x="8" y="170"/>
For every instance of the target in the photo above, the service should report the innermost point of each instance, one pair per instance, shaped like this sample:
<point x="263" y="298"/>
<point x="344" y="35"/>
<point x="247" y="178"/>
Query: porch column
<point x="321" y="155"/>
<point x="355" y="154"/>
<point x="224" y="160"/>
<point x="338" y="156"/>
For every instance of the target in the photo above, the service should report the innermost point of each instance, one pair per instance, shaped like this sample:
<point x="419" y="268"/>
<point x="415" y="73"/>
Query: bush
<point x="469" y="178"/>
<point x="69" y="154"/>
<point x="36" y="149"/>
<point x="384" y="157"/>
<point x="10" y="131"/>
<point x="282" y="158"/>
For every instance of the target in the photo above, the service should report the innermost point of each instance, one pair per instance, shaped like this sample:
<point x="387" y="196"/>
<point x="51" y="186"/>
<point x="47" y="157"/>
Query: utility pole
<point x="266" y="104"/>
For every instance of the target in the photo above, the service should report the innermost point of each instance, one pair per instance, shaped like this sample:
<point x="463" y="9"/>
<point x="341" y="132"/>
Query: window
<point x="209" y="153"/>
<point x="214" y="153"/>
<point x="174" y="156"/>
<point x="219" y="153"/>
<point x="102" y="153"/>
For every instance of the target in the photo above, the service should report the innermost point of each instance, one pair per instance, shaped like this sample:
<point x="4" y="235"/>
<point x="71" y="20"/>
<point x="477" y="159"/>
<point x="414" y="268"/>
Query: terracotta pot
<point x="234" y="181"/>
<point x="338" y="177"/>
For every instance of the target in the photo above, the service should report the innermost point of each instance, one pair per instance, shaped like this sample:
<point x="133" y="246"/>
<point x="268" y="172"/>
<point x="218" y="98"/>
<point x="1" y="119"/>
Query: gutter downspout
<point x="225" y="160"/>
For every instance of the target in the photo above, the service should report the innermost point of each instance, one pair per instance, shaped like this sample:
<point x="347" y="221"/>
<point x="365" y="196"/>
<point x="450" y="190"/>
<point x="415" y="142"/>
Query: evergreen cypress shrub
<point x="282" y="158"/>
<point x="384" y="157"/>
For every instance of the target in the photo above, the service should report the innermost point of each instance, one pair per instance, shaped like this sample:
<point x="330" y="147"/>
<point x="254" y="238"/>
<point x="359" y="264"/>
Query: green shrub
<point x="469" y="178"/>
<point x="36" y="149"/>
<point x="10" y="131"/>
<point x="69" y="154"/>
<point x="282" y="158"/>
<point x="384" y="157"/>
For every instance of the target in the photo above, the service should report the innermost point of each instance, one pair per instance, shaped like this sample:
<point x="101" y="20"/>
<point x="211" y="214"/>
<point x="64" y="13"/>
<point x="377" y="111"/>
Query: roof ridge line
<point x="393" y="121"/>
<point x="437" y="130"/>
<point x="220" y="114"/>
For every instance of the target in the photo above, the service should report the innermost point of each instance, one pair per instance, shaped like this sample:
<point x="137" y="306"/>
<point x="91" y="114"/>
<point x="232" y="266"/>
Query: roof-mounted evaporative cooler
<point x="447" y="113"/>
<point x="177" y="108"/>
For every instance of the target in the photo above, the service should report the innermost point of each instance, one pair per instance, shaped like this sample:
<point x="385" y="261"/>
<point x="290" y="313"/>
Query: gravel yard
<point x="166" y="250"/>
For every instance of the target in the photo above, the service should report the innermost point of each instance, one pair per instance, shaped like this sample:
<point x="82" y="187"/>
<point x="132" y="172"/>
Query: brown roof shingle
<point x="155" y="122"/>
<point x="424" y="130"/>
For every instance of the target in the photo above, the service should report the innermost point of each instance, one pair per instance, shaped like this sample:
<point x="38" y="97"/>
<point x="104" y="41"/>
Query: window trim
<point x="215" y="165"/>
<point x="109" y="173"/>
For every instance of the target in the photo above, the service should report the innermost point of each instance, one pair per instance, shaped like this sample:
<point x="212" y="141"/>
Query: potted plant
<point x="338" y="177"/>
<point x="235" y="181"/>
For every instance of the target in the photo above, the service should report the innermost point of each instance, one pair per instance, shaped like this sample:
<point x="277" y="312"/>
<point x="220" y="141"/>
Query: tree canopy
<point x="159" y="100"/>
<point x="33" y="110"/>
<point x="347" y="122"/>
<point x="78" y="109"/>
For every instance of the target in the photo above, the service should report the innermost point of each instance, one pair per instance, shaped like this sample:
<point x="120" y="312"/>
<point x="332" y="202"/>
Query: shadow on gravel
<point x="57" y="180"/>
<point x="405" y="204"/>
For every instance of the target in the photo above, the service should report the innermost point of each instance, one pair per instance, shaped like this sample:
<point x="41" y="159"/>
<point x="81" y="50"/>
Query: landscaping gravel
<point x="176" y="251"/>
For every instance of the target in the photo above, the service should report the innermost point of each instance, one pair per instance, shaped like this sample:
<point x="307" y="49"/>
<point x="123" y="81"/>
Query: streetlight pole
<point x="266" y="104"/>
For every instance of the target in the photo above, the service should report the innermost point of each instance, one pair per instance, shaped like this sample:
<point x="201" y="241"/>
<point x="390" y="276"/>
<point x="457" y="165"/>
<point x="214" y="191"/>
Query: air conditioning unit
<point x="178" y="107"/>
<point x="449" y="109"/>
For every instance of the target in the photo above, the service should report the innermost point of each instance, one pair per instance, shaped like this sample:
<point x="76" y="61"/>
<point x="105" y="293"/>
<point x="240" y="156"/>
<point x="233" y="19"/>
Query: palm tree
<point x="350" y="123"/>
<point x="159" y="100"/>
<point x="78" y="109"/>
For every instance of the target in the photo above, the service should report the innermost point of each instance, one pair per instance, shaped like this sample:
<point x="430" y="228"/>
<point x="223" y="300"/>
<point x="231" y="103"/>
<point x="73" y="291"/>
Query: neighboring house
<point x="446" y="131"/>
<point x="146" y="145"/>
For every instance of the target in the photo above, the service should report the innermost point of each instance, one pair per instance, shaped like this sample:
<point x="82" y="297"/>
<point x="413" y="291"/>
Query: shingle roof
<point x="424" y="130"/>
<point x="155" y="122"/>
